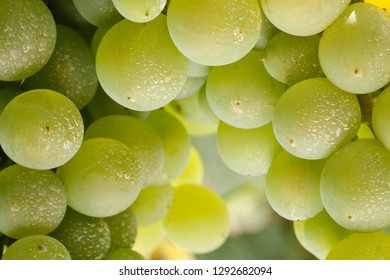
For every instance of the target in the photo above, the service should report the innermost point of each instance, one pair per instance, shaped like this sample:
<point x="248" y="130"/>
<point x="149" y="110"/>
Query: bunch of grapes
<point x="107" y="109"/>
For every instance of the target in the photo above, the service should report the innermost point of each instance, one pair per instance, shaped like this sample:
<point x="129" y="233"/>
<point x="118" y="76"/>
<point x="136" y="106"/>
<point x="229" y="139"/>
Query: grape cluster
<point x="151" y="129"/>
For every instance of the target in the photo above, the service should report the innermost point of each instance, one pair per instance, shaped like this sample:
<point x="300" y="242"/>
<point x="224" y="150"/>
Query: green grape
<point x="27" y="36"/>
<point x="102" y="179"/>
<point x="139" y="10"/>
<point x="123" y="229"/>
<point x="242" y="93"/>
<point x="197" y="70"/>
<point x="293" y="186"/>
<point x="267" y="31"/>
<point x="86" y="238"/>
<point x="141" y="139"/>
<point x="314" y="118"/>
<point x="364" y="65"/>
<point x="355" y="186"/>
<point x="176" y="142"/>
<point x="70" y="70"/>
<point x="97" y="38"/>
<point x="41" y="129"/>
<point x="124" y="254"/>
<point x="152" y="204"/>
<point x="137" y="72"/>
<point x="319" y="234"/>
<point x="32" y="202"/>
<point x="291" y="59"/>
<point x="247" y="151"/>
<point x="36" y="247"/>
<point x="191" y="86"/>
<point x="98" y="12"/>
<point x="200" y="28"/>
<point x="303" y="17"/>
<point x="198" y="219"/>
<point x="365" y="132"/>
<point x="6" y="95"/>
<point x="148" y="238"/>
<point x="381" y="118"/>
<point x="194" y="113"/>
<point x="362" y="246"/>
<point x="193" y="173"/>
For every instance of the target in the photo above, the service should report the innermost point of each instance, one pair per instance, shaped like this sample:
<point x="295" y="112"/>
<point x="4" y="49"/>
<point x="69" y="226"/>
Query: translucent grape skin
<point x="355" y="186"/>
<point x="100" y="13"/>
<point x="364" y="66"/>
<point x="314" y="118"/>
<point x="140" y="10"/>
<point x="28" y="36"/>
<point x="36" y="247"/>
<point x="102" y="179"/>
<point x="381" y="118"/>
<point x="199" y="28"/>
<point x="32" y="202"/>
<point x="41" y="129"/>
<point x="139" y="73"/>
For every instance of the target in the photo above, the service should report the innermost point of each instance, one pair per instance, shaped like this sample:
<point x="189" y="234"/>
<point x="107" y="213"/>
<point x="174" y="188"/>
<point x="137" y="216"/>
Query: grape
<point x="86" y="238"/>
<point x="137" y="72"/>
<point x="365" y="63"/>
<point x="27" y="36"/>
<point x="243" y="94"/>
<point x="41" y="129"/>
<point x="362" y="246"/>
<point x="140" y="10"/>
<point x="293" y="186"/>
<point x="124" y="254"/>
<point x="176" y="142"/>
<point x="102" y="179"/>
<point x="152" y="204"/>
<point x="32" y="202"/>
<point x="98" y="12"/>
<point x="355" y="186"/>
<point x="199" y="28"/>
<point x="247" y="151"/>
<point x="319" y="234"/>
<point x="197" y="220"/>
<point x="97" y="38"/>
<point x="193" y="173"/>
<point x="36" y="247"/>
<point x="141" y="139"/>
<point x="381" y="118"/>
<point x="70" y="70"/>
<point x="123" y="229"/>
<point x="6" y="95"/>
<point x="303" y="17"/>
<point x="148" y="238"/>
<point x="191" y="86"/>
<point x="169" y="251"/>
<point x="197" y="70"/>
<point x="291" y="59"/>
<point x="313" y="119"/>
<point x="384" y="4"/>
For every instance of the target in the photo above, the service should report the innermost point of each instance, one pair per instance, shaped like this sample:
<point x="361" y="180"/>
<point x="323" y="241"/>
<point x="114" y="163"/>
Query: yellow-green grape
<point x="363" y="66"/>
<point x="32" y="202"/>
<point x="198" y="219"/>
<point x="6" y="95"/>
<point x="85" y="237"/>
<point x="176" y="142"/>
<point x="136" y="71"/>
<point x="248" y="152"/>
<point x="191" y="87"/>
<point x="41" y="129"/>
<point x="362" y="246"/>
<point x="123" y="229"/>
<point x="200" y="28"/>
<point x="267" y="31"/>
<point x="140" y="10"/>
<point x="70" y="70"/>
<point x="152" y="204"/>
<point x="355" y="186"/>
<point x="303" y="17"/>
<point x="97" y="38"/>
<point x="293" y="186"/>
<point x="314" y="118"/>
<point x="381" y="118"/>
<point x="384" y="4"/>
<point x="194" y="172"/>
<point x="141" y="139"/>
<point x="365" y="132"/>
<point x="291" y="59"/>
<point x="242" y="93"/>
<point x="124" y="254"/>
<point x="197" y="70"/>
<point x="148" y="238"/>
<point x="27" y="36"/>
<point x="102" y="179"/>
<point x="319" y="234"/>
<point x="98" y="12"/>
<point x="36" y="247"/>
